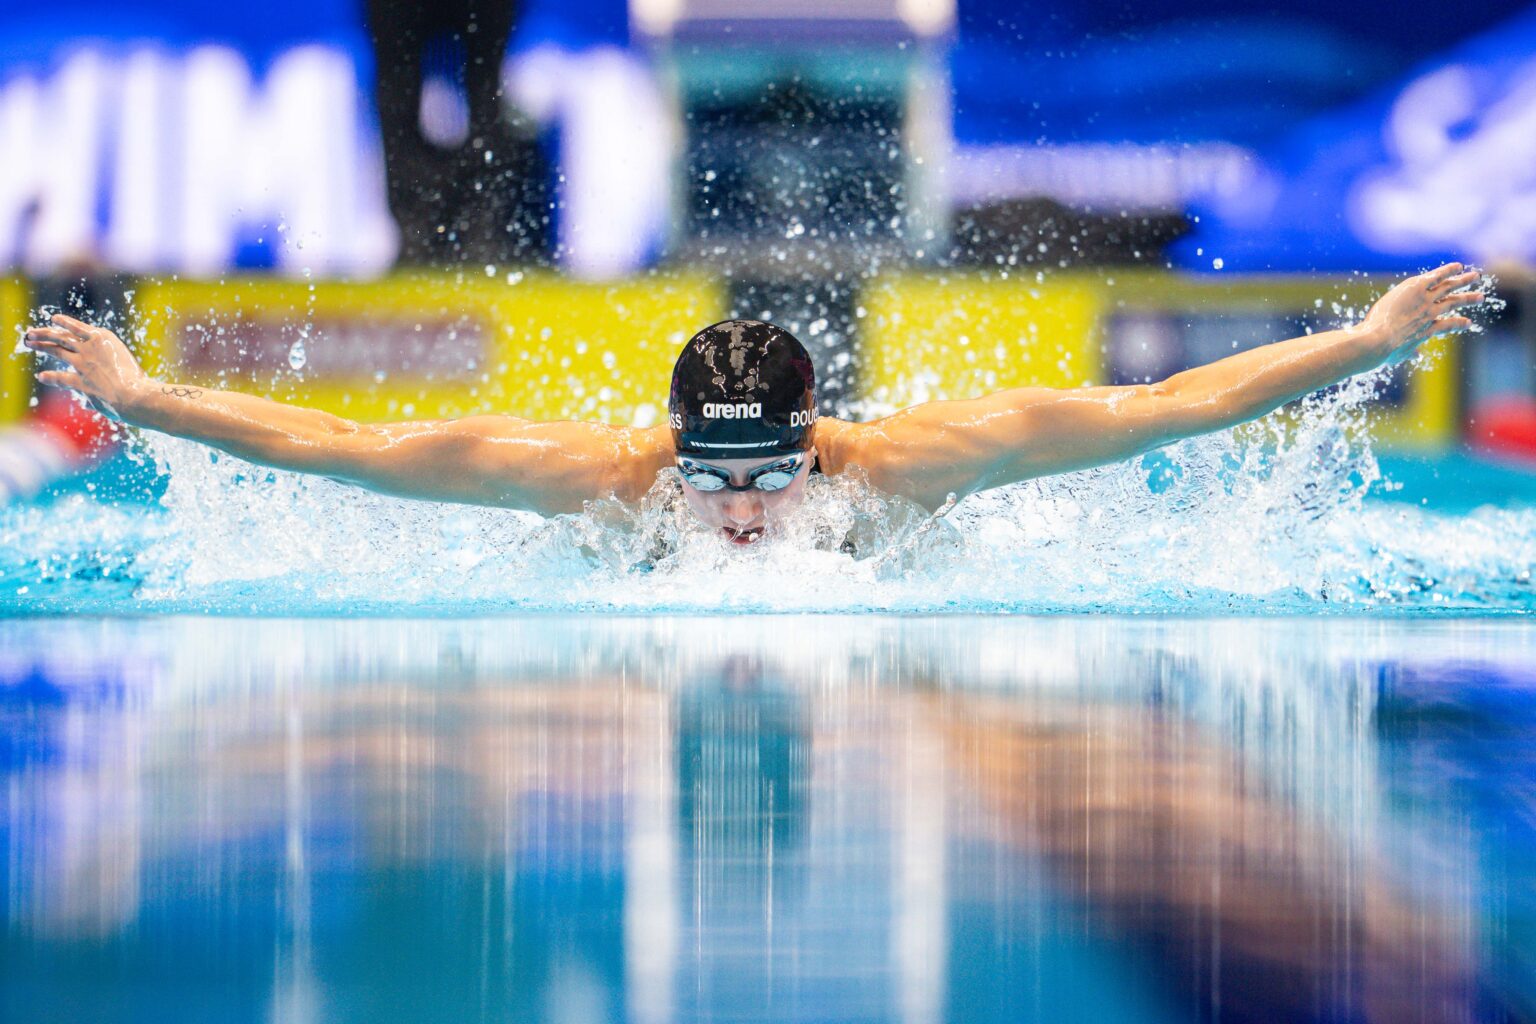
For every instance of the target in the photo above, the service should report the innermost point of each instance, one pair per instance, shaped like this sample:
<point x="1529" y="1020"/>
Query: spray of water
<point x="1272" y="517"/>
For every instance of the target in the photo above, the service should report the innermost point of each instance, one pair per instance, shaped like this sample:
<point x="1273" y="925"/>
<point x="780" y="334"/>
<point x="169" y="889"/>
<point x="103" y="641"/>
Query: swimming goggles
<point x="773" y="477"/>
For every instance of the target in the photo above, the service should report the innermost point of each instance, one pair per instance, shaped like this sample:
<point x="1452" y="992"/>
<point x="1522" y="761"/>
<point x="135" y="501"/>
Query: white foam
<point x="1269" y="517"/>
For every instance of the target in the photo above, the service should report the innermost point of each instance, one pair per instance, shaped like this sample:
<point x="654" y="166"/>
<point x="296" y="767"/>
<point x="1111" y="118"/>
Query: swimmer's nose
<point x="742" y="509"/>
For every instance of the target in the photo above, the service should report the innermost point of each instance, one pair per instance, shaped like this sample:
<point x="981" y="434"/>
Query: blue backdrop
<point x="1440" y="165"/>
<point x="1027" y="71"/>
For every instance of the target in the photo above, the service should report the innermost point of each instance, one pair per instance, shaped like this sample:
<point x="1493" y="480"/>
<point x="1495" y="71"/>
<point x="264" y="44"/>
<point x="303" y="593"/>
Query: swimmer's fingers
<point x="49" y="337"/>
<point x="1450" y="324"/>
<point x="1433" y="279"/>
<point x="77" y="328"/>
<point x="62" y="379"/>
<point x="1452" y="300"/>
<point x="1455" y="282"/>
<point x="60" y="352"/>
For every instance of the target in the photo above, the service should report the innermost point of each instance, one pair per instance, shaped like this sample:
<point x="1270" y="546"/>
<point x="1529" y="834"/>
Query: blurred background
<point x="396" y="209"/>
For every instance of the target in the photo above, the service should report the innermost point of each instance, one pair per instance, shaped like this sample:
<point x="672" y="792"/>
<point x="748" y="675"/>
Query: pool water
<point x="779" y="818"/>
<point x="1234" y="523"/>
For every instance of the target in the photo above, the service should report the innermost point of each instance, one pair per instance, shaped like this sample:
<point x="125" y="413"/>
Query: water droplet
<point x="1218" y="263"/>
<point x="297" y="356"/>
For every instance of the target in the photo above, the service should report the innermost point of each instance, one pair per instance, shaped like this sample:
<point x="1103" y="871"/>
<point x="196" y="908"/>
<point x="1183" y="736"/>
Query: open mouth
<point x="748" y="536"/>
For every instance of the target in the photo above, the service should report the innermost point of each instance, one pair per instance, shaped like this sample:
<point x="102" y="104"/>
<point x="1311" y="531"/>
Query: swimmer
<point x="742" y="431"/>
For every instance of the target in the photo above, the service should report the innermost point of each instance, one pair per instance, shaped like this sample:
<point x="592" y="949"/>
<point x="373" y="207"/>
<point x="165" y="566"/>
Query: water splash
<point x="1272" y="517"/>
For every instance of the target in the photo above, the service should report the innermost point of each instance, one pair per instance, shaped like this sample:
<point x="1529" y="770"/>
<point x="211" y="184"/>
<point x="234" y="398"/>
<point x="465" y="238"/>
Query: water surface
<point x="776" y="818"/>
<point x="1294" y="514"/>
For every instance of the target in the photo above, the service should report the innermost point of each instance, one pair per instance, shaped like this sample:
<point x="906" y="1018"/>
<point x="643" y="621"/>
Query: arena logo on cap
<point x="732" y="411"/>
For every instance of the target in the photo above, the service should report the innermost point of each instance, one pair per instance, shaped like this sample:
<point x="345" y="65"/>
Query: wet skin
<point x="926" y="453"/>
<point x="743" y="517"/>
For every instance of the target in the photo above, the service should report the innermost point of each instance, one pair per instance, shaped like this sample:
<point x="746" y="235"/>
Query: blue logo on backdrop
<point x="1439" y="167"/>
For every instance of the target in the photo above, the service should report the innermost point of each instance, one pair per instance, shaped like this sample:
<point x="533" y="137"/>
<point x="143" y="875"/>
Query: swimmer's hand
<point x="1420" y="307"/>
<point x="100" y="366"/>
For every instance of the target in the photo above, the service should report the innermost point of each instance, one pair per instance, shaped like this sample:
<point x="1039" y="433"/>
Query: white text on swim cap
<point x="804" y="418"/>
<point x="729" y="411"/>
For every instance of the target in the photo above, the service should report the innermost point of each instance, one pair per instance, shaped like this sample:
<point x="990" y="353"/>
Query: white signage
<point x="1462" y="174"/>
<point x="157" y="160"/>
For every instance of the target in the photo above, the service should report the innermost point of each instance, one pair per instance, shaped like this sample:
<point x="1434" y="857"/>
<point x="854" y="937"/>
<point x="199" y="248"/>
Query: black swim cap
<point x="743" y="389"/>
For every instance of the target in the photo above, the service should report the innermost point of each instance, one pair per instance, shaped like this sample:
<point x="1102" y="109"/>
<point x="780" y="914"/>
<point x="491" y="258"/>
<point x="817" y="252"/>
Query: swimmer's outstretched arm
<point x="484" y="460"/>
<point x="932" y="450"/>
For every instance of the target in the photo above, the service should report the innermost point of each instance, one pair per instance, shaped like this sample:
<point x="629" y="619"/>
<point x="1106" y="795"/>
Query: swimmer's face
<point x="743" y="517"/>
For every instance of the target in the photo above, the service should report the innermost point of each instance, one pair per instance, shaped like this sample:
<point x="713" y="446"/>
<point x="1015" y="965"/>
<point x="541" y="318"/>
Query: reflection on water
<point x="767" y="819"/>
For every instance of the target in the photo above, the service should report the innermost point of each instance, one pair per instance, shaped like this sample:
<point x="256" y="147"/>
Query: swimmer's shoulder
<point x="841" y="445"/>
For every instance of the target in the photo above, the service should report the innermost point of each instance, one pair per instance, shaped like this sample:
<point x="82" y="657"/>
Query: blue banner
<point x="1441" y="166"/>
<point x="182" y="136"/>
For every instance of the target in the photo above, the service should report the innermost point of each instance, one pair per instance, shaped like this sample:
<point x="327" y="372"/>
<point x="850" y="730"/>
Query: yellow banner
<point x="959" y="335"/>
<point x="453" y="344"/>
<point x="428" y="346"/>
<point x="15" y="369"/>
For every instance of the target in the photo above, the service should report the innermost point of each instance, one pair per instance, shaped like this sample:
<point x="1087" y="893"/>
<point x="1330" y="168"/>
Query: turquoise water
<point x="1212" y="526"/>
<point x="1292" y="515"/>
<point x="782" y="818"/>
